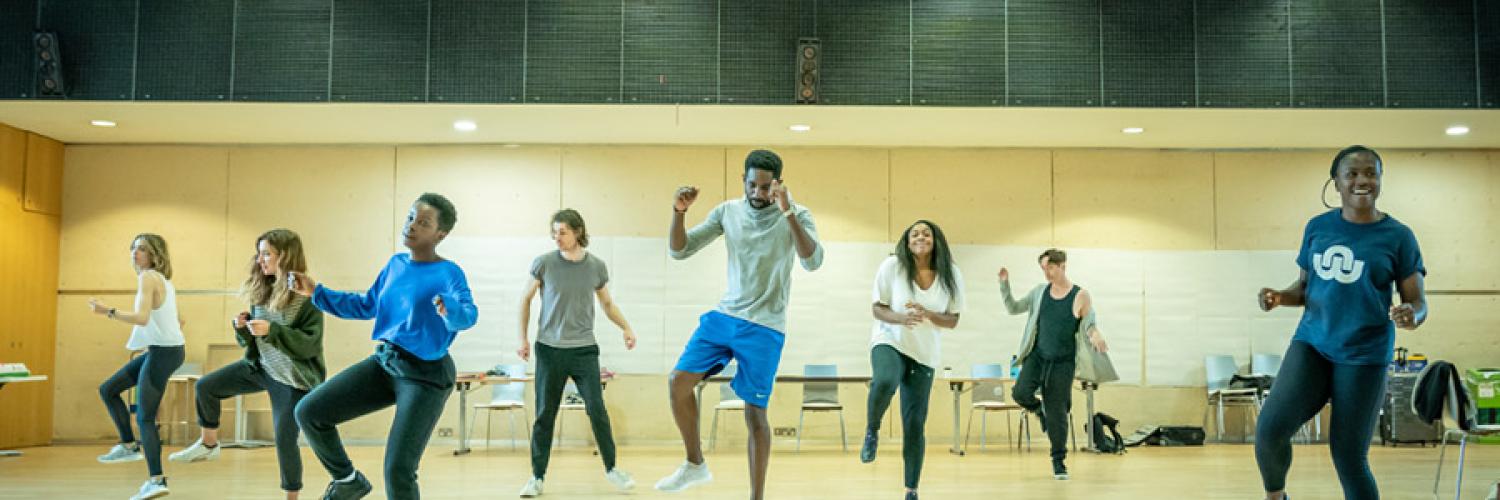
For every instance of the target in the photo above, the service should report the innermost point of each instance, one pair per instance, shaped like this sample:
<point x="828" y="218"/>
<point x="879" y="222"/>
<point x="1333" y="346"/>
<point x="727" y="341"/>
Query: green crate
<point x="1484" y="386"/>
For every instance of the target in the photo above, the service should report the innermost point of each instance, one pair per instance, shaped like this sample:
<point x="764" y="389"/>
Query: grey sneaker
<point x="620" y="479"/>
<point x="195" y="453"/>
<point x="687" y="475"/>
<point x="532" y="489"/>
<point x="152" y="489"/>
<point x="122" y="453"/>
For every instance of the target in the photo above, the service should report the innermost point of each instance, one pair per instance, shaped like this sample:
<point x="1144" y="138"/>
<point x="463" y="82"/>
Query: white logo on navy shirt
<point x="1337" y="263"/>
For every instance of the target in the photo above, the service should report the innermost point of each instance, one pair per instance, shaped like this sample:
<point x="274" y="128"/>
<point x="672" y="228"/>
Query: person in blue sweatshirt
<point x="419" y="303"/>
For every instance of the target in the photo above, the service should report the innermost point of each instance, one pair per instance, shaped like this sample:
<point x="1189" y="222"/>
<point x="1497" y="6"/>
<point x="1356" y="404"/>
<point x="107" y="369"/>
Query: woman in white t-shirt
<point x="156" y="329"/>
<point x="918" y="291"/>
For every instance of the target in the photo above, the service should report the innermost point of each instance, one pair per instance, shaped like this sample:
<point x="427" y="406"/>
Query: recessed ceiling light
<point x="465" y="126"/>
<point x="101" y="123"/>
<point x="1133" y="130"/>
<point x="510" y="146"/>
<point x="1458" y="130"/>
<point x="800" y="128"/>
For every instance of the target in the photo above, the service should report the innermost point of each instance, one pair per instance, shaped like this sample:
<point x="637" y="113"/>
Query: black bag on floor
<point x="1106" y="434"/>
<point x="1179" y="435"/>
<point x="1166" y="435"/>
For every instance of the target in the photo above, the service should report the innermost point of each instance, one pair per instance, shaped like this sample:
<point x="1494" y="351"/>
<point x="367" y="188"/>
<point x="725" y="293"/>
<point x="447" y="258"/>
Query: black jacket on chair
<point x="1431" y="393"/>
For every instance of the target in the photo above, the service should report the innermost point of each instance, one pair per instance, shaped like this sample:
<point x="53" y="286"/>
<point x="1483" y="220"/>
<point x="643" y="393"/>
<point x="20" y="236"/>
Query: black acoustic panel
<point x="573" y="51"/>
<point x="1148" y="53"/>
<point x="97" y="40"/>
<point x="958" y="52"/>
<point x="1430" y="54"/>
<point x="186" y="49"/>
<point x="1243" y="54"/>
<point x="281" y="50"/>
<point x="758" y="47"/>
<point x="671" y="51"/>
<point x="380" y="50"/>
<point x="478" y="51"/>
<point x="866" y="51"/>
<point x="17" y="57"/>
<point x="1054" y="52"/>
<point x="1336" y="54"/>
<point x="1487" y="24"/>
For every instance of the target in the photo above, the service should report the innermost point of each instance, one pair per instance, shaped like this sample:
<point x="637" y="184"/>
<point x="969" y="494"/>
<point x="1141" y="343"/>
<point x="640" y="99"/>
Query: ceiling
<point x="887" y="126"/>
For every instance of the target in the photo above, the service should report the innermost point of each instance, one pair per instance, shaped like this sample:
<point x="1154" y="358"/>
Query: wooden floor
<point x="823" y="472"/>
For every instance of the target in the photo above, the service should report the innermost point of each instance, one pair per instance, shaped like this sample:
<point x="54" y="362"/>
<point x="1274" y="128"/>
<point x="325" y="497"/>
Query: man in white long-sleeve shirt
<point x="762" y="231"/>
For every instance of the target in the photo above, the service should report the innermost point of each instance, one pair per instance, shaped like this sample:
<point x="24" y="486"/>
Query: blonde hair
<point x="271" y="291"/>
<point x="156" y="251"/>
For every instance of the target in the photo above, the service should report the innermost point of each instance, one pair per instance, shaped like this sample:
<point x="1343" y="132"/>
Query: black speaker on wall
<point x="49" y="80"/>
<point x="808" y="51"/>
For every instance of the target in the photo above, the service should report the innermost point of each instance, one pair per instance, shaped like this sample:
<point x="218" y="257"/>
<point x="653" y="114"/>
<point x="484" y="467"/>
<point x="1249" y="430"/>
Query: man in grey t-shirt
<point x="570" y="279"/>
<point x="568" y="298"/>
<point x="765" y="233"/>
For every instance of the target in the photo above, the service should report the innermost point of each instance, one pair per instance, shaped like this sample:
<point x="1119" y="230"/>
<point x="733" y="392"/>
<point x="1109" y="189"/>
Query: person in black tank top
<point x="1050" y="364"/>
<point x="1056" y="325"/>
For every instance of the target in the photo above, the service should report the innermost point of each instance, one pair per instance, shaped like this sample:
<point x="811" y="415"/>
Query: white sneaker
<point x="533" y="488"/>
<point x="1494" y="491"/>
<point x="195" y="453"/>
<point x="620" y="479"/>
<point x="687" y="476"/>
<point x="151" y="489"/>
<point x="122" y="453"/>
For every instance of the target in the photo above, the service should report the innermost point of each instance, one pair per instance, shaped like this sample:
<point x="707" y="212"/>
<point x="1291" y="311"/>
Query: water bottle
<point x="1015" y="369"/>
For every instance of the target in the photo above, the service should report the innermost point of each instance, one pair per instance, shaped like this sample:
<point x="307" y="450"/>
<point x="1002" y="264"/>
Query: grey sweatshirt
<point x="761" y="250"/>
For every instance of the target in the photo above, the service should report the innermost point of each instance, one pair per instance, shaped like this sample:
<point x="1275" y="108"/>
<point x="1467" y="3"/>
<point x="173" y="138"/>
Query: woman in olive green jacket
<point x="283" y="339"/>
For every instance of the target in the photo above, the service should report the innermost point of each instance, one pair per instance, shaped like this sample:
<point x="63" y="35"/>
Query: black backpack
<point x="1106" y="442"/>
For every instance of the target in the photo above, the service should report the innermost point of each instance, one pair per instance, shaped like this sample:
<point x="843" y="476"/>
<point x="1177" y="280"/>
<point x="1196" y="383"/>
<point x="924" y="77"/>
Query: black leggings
<point x="554" y="366"/>
<point x="893" y="370"/>
<point x="246" y="378"/>
<point x="1308" y="381"/>
<point x="1054" y="379"/>
<point x="148" y="373"/>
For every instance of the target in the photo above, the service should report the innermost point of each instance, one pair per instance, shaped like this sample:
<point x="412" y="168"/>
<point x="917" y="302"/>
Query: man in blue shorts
<point x="762" y="231"/>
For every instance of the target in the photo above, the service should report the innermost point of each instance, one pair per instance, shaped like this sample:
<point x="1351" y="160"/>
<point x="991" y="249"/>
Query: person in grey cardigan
<point x="1061" y="338"/>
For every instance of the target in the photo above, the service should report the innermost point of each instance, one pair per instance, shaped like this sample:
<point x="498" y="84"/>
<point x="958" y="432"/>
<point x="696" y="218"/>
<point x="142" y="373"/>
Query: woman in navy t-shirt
<point x="1352" y="259"/>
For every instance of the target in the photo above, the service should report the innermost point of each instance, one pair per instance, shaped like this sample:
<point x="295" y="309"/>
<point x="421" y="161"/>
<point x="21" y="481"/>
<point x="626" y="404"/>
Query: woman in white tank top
<point x="157" y="329"/>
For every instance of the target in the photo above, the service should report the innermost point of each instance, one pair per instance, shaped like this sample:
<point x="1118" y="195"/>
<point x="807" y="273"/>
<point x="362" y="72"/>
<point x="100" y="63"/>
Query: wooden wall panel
<point x="28" y="291"/>
<point x="112" y="193"/>
<point x="44" y="173"/>
<point x="978" y="196"/>
<point x="627" y="191"/>
<point x="1137" y="200"/>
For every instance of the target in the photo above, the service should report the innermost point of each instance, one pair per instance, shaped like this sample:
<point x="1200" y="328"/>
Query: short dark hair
<point x="447" y="215"/>
<point x="763" y="159"/>
<point x="1333" y="170"/>
<point x="574" y="220"/>
<point x="1053" y="256"/>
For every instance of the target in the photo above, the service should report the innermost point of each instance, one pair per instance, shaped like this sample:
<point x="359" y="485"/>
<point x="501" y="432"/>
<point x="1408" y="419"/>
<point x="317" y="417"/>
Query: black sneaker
<point x="867" y="452"/>
<point x="1059" y="471"/>
<point x="352" y="490"/>
<point x="911" y="495"/>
